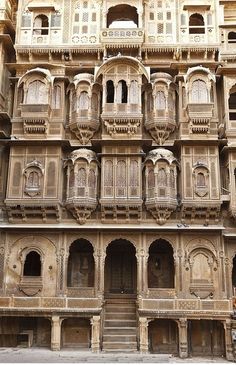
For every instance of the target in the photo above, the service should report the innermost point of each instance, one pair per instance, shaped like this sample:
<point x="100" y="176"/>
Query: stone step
<point x="119" y="338"/>
<point x="123" y="309"/>
<point x="122" y="316"/>
<point x="119" y="345"/>
<point x="120" y="330"/>
<point x="119" y="323"/>
<point x="116" y="351"/>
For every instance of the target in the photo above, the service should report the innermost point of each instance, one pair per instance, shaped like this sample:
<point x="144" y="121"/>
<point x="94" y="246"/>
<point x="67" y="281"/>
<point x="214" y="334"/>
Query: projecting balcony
<point x="35" y="118"/>
<point x="160" y="123"/>
<point x="129" y="38"/>
<point x="81" y="202"/>
<point x="200" y="117"/>
<point x="122" y="119"/>
<point x="84" y="123"/>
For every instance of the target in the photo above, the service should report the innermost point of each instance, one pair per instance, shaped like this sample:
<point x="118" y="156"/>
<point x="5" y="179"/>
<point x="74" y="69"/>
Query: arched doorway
<point x="80" y="270"/>
<point x="120" y="269"/>
<point x="161" y="270"/>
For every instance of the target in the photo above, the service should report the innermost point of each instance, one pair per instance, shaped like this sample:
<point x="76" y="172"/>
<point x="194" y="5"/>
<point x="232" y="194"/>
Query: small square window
<point x="77" y="17"/>
<point x="94" y="17"/>
<point x="151" y="16"/>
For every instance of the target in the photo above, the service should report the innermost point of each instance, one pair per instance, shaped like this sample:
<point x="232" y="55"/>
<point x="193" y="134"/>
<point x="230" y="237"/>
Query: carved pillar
<point x="101" y="270"/>
<point x="143" y="335"/>
<point x="183" y="338"/>
<point x="228" y="340"/>
<point x="95" y="341"/>
<point x="145" y="272"/>
<point x="1" y="266"/>
<point x="139" y="272"/>
<point x="55" y="333"/>
<point x="96" y="272"/>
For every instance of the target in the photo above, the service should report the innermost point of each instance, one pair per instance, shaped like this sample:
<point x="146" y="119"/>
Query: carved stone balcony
<point x="122" y="119"/>
<point x="35" y="118"/>
<point x="161" y="209"/>
<point x="81" y="207"/>
<point x="160" y="123"/>
<point x="84" y="124"/>
<point x="121" y="37"/>
<point x="200" y="117"/>
<point x="40" y="39"/>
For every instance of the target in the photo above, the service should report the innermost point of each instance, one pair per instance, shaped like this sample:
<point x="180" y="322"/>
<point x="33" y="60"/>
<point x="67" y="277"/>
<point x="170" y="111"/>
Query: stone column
<point x="228" y="340"/>
<point x="183" y="338"/>
<point x="101" y="269"/>
<point x="55" y="333"/>
<point x="143" y="335"/>
<point x="95" y="341"/>
<point x="145" y="272"/>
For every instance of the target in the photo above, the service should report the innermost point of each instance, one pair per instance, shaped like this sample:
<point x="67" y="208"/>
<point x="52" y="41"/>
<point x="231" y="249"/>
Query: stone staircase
<point x="120" y="326"/>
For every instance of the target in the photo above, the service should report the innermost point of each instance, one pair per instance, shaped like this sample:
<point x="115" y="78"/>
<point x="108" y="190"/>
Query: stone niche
<point x="82" y="180"/>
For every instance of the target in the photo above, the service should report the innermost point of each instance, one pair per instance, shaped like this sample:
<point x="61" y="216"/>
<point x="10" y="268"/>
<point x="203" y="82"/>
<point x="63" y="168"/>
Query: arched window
<point x="41" y="25"/>
<point x="172" y="179"/>
<point x="196" y="24"/>
<point x="201" y="180"/>
<point x="122" y="16"/>
<point x="161" y="269"/>
<point x="110" y="92"/>
<point x="92" y="183"/>
<point x="122" y="92"/>
<point x="162" y="178"/>
<point x="32" y="181"/>
<point x="232" y="37"/>
<point x="80" y="271"/>
<point x="108" y="178"/>
<point x="160" y="100"/>
<point x="133" y="91"/>
<point x="83" y="101"/>
<point x="32" y="264"/>
<point x="151" y="179"/>
<point x="56" y="97"/>
<point x="37" y="93"/>
<point x="121" y="174"/>
<point x="81" y="181"/>
<point x="199" y="92"/>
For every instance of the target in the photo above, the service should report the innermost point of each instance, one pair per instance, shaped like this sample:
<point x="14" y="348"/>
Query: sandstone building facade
<point x="118" y="175"/>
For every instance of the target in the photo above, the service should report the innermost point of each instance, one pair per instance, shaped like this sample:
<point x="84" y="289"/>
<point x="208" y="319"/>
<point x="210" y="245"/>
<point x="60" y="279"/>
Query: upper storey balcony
<point x="122" y="79"/>
<point x="198" y="27"/>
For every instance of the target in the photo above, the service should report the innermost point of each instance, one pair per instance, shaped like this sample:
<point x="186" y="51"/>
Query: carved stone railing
<point x="73" y="292"/>
<point x="60" y="303"/>
<point x="84" y="124"/>
<point x="40" y="39"/>
<point x="200" y="116"/>
<point x="116" y="36"/>
<point x="185" y="305"/>
<point x="121" y="119"/>
<point x="81" y="207"/>
<point x="160" y="124"/>
<point x="35" y="118"/>
<point x="161" y="293"/>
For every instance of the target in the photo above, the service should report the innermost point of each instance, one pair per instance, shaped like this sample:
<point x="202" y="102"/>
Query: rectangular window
<point x="94" y="17"/>
<point x="168" y="15"/>
<point x="151" y="16"/>
<point x="85" y="29"/>
<point x="76" y="29"/>
<point x="85" y="17"/>
<point x="160" y="28"/>
<point x="169" y="28"/>
<point x="77" y="17"/>
<point x="56" y="20"/>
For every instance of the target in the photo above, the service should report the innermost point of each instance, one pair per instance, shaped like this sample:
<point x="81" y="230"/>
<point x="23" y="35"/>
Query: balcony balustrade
<point x="117" y="36"/>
